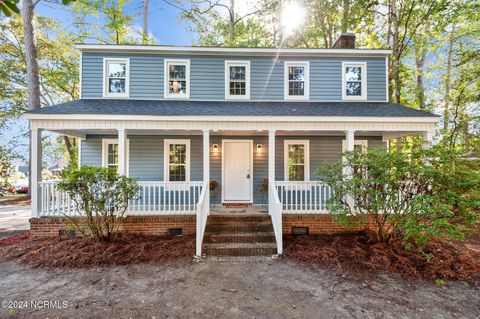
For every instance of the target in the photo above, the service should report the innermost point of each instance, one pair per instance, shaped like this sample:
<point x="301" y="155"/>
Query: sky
<point x="163" y="24"/>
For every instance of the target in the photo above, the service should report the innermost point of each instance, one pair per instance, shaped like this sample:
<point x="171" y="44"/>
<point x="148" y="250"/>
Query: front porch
<point x="175" y="162"/>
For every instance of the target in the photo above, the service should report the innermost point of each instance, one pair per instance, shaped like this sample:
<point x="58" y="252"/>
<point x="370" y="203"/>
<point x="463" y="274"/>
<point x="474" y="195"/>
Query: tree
<point x="101" y="197"/>
<point x="8" y="7"/>
<point x="398" y="196"/>
<point x="145" y="22"/>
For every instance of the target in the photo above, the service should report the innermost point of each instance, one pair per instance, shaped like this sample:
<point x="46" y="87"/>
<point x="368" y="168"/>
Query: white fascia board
<point x="214" y="50"/>
<point x="236" y="118"/>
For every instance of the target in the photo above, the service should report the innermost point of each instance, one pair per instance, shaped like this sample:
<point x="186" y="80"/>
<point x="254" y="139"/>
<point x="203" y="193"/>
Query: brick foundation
<point x="317" y="224"/>
<point x="159" y="225"/>
<point x="145" y="225"/>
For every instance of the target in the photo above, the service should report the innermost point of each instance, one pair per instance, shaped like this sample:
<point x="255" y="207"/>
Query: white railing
<point x="275" y="211"/>
<point x="54" y="201"/>
<point x="166" y="198"/>
<point x="303" y="197"/>
<point x="154" y="198"/>
<point x="202" y="215"/>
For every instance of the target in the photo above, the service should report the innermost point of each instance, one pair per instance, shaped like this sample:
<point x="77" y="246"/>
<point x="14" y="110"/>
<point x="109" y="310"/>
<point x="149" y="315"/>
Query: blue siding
<point x="146" y="157"/>
<point x="207" y="75"/>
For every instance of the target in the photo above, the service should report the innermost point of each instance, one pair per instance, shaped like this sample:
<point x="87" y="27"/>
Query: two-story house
<point x="177" y="118"/>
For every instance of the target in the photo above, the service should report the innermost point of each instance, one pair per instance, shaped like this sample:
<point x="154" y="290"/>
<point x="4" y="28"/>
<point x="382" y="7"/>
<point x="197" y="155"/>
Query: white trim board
<point x="237" y="118"/>
<point x="219" y="50"/>
<point x="223" y="169"/>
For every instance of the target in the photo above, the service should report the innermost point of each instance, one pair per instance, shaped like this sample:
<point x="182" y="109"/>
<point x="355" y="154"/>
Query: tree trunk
<point x="345" y="16"/>
<point x="231" y="27"/>
<point x="446" y="111"/>
<point x="396" y="52"/>
<point x="69" y="147"/>
<point x="145" y="22"/>
<point x="33" y="80"/>
<point x="420" y="63"/>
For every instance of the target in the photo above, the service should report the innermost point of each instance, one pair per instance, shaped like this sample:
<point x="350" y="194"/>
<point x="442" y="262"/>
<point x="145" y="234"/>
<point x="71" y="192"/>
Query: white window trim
<point x="106" y="94"/>
<point x="166" y="87"/>
<point x="166" y="158"/>
<point x="306" y="95"/>
<point x="363" y="96"/>
<point x="228" y="64"/>
<point x="306" y="144"/>
<point x="363" y="143"/>
<point x="105" y="143"/>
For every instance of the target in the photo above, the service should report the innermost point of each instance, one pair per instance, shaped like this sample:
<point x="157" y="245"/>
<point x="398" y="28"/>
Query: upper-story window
<point x="237" y="80"/>
<point x="177" y="79"/>
<point x="297" y="78"/>
<point x="354" y="80"/>
<point x="116" y="77"/>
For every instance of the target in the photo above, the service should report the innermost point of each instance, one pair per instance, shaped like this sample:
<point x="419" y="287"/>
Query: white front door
<point x="237" y="171"/>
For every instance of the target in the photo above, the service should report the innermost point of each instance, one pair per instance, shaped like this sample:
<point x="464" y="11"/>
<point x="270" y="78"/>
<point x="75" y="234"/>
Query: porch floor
<point x="250" y="210"/>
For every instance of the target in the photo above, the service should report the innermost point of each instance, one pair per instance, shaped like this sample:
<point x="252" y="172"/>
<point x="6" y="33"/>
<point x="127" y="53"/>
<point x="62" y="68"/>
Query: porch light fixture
<point x="259" y="147"/>
<point x="215" y="147"/>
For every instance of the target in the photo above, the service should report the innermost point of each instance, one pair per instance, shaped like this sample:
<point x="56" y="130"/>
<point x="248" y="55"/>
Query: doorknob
<point x="248" y="176"/>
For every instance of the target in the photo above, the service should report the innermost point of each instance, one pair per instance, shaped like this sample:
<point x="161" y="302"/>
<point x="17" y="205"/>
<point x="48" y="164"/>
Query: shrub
<point x="101" y="196"/>
<point x="429" y="193"/>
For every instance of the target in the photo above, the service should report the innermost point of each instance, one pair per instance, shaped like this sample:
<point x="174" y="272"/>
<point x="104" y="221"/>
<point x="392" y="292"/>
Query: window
<point x="358" y="146"/>
<point x="296" y="79"/>
<point x="297" y="155"/>
<point x="354" y="83"/>
<point x="110" y="153"/>
<point x="177" y="160"/>
<point x="177" y="79"/>
<point x="116" y="77"/>
<point x="237" y="80"/>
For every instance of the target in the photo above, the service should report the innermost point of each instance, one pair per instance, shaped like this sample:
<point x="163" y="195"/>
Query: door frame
<point x="250" y="142"/>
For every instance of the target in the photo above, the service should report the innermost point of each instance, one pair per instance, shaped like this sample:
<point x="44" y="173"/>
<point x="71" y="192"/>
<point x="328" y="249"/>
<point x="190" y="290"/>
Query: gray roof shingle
<point x="165" y="108"/>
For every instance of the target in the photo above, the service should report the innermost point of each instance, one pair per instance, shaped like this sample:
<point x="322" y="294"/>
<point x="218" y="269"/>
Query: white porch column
<point x="349" y="147"/>
<point x="427" y="138"/>
<point x="36" y="170"/>
<point x="271" y="160"/>
<point x="122" y="152"/>
<point x="206" y="165"/>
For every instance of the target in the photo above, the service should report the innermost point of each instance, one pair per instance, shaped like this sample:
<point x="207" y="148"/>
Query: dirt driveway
<point x="238" y="288"/>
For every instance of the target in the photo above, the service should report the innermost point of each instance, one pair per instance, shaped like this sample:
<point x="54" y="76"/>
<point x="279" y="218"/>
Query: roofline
<point x="234" y="118"/>
<point x="223" y="50"/>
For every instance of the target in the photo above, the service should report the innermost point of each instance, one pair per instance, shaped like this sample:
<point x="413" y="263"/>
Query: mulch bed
<point x="352" y="253"/>
<point x="76" y="252"/>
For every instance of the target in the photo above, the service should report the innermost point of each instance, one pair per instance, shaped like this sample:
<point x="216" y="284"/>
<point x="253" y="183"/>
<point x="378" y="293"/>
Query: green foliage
<point x="5" y="166"/>
<point x="102" y="197"/>
<point x="8" y="7"/>
<point x="432" y="193"/>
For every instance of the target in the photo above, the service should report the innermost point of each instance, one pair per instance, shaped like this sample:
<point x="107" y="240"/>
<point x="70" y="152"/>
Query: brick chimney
<point x="345" y="41"/>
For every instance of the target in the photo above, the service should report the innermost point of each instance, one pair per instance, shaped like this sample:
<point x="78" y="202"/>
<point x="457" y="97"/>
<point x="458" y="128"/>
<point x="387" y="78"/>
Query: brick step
<point x="267" y="237"/>
<point x="238" y="218"/>
<point x="240" y="249"/>
<point x="246" y="227"/>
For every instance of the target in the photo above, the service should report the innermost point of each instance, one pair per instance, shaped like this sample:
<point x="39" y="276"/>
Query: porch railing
<point x="303" y="197"/>
<point x="154" y="198"/>
<point x="202" y="215"/>
<point x="275" y="211"/>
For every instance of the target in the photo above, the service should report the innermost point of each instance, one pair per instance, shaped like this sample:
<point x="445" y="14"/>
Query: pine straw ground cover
<point x="76" y="252"/>
<point x="352" y="253"/>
